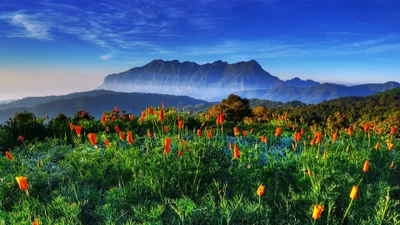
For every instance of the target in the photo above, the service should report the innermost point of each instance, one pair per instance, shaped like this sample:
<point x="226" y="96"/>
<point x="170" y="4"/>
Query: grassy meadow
<point x="175" y="167"/>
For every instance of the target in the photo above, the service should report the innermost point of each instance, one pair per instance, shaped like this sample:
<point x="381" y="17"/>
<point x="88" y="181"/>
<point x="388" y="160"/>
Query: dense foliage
<point x="175" y="167"/>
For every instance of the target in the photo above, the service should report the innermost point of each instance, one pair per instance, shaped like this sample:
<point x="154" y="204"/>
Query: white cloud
<point x="27" y="26"/>
<point x="106" y="57"/>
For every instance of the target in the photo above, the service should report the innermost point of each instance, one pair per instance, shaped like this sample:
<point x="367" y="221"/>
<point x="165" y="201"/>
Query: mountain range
<point x="95" y="102"/>
<point x="214" y="81"/>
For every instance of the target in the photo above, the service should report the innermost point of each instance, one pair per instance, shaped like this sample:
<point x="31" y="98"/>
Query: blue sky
<point x="62" y="46"/>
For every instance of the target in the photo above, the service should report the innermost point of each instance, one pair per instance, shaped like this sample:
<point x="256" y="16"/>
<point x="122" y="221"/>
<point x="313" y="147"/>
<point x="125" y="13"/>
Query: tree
<point x="234" y="107"/>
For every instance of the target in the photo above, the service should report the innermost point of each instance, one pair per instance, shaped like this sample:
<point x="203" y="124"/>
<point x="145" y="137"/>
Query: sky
<point x="52" y="47"/>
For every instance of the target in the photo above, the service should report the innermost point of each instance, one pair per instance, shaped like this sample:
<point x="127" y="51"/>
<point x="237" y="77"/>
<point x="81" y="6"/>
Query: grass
<point x="79" y="183"/>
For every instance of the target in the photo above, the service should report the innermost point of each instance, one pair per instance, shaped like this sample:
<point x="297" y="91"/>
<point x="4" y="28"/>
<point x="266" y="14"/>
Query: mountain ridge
<point x="216" y="80"/>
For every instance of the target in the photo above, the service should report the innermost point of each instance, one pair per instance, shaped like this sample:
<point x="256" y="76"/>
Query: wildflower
<point x="312" y="143"/>
<point x="121" y="136"/>
<point x="393" y="130"/>
<point x="36" y="222"/>
<point x="167" y="147"/>
<point x="180" y="153"/>
<point x="244" y="133"/>
<point x="236" y="153"/>
<point x="350" y="131"/>
<point x="162" y="104"/>
<point x="366" y="127"/>
<point x="92" y="138"/>
<point x="166" y="129"/>
<point x="71" y="127"/>
<point x="116" y="109"/>
<point x="78" y="130"/>
<point x="297" y="136"/>
<point x="390" y="146"/>
<point x="319" y="137"/>
<point x="236" y="131"/>
<point x="22" y="183"/>
<point x="161" y="116"/>
<point x="83" y="114"/>
<point x="114" y="118"/>
<point x="366" y="166"/>
<point x="354" y="192"/>
<point x="221" y="118"/>
<point x="260" y="190"/>
<point x="104" y="119"/>
<point x="302" y="131"/>
<point x="230" y="146"/>
<point x="129" y="137"/>
<point x="317" y="210"/>
<point x="278" y="131"/>
<point x="107" y="128"/>
<point x="131" y="117"/>
<point x="123" y="116"/>
<point x="8" y="155"/>
<point x="377" y="145"/>
<point x="309" y="172"/>
<point x="380" y="131"/>
<point x="107" y="142"/>
<point x="263" y="139"/>
<point x="149" y="135"/>
<point x="21" y="138"/>
<point x="334" y="136"/>
<point x="198" y="133"/>
<point x="209" y="135"/>
<point x="180" y="124"/>
<point x="391" y="165"/>
<point x="117" y="129"/>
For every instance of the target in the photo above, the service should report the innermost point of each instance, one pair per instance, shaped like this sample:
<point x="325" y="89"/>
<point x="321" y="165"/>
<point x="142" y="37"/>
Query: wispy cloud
<point x="27" y="26"/>
<point x="106" y="57"/>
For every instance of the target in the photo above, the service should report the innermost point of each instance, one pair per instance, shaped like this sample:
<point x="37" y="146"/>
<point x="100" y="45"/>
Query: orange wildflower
<point x="198" y="133"/>
<point x="391" y="165"/>
<point x="366" y="166"/>
<point x="104" y="119"/>
<point x="236" y="152"/>
<point x="393" y="130"/>
<point x="129" y="137"/>
<point x="260" y="190"/>
<point x="236" y="131"/>
<point x="166" y="129"/>
<point x="317" y="210"/>
<point x="22" y="183"/>
<point x="161" y="116"/>
<point x="114" y="118"/>
<point x="350" y="131"/>
<point x="21" y="138"/>
<point x="302" y="131"/>
<point x="117" y="129"/>
<point x="167" y="147"/>
<point x="209" y="135"/>
<point x="116" y="109"/>
<point x="278" y="131"/>
<point x="221" y="118"/>
<point x="312" y="143"/>
<point x="319" y="136"/>
<point x="390" y="146"/>
<point x="309" y="172"/>
<point x="8" y="155"/>
<point x="71" y="126"/>
<point x="380" y="131"/>
<point x="366" y="127"/>
<point x="377" y="145"/>
<point x="107" y="142"/>
<point x="180" y="124"/>
<point x="78" y="130"/>
<point x="180" y="153"/>
<point x="244" y="133"/>
<point x="354" y="192"/>
<point x="92" y="138"/>
<point x="149" y="135"/>
<point x="131" y="117"/>
<point x="36" y="222"/>
<point x="121" y="136"/>
<point x="334" y="136"/>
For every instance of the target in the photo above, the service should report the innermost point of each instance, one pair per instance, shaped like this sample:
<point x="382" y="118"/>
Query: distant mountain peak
<point x="297" y="82"/>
